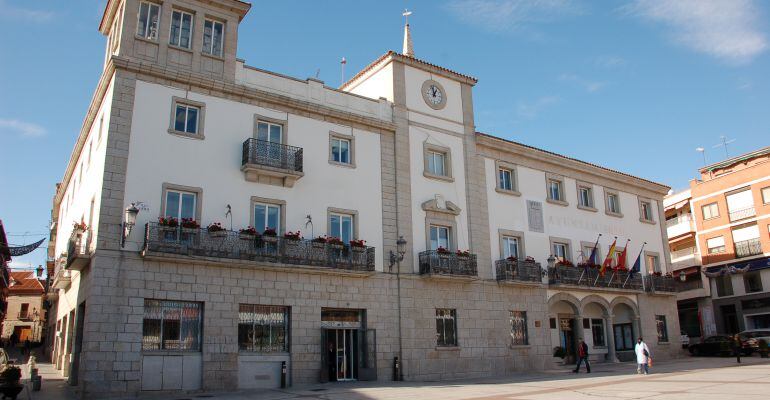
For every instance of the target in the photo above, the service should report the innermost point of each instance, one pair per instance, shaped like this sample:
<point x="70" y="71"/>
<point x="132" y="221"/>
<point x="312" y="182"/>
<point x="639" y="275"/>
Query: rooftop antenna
<point x="724" y="144"/>
<point x="702" y="151"/>
<point x="317" y="72"/>
<point x="408" y="48"/>
<point x="342" y="66"/>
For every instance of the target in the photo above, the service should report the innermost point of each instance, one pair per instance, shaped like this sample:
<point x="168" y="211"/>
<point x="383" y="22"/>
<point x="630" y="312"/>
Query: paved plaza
<point x="687" y="378"/>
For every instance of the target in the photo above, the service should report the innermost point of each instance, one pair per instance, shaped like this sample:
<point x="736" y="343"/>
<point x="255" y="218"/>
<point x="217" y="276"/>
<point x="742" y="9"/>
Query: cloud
<point x="19" y="13"/>
<point x="729" y="30"/>
<point x="510" y="15"/>
<point x="609" y="61"/>
<point x="533" y="109"/>
<point x="588" y="85"/>
<point x="26" y="129"/>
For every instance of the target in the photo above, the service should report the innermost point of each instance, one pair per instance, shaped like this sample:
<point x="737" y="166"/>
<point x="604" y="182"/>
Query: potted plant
<point x="565" y="263"/>
<point x="79" y="227"/>
<point x="318" y="242"/>
<point x="248" y="233"/>
<point x="558" y="354"/>
<point x="168" y="222"/>
<point x="358" y="245"/>
<point x="190" y="225"/>
<point x="463" y="254"/>
<point x="292" y="236"/>
<point x="9" y="382"/>
<point x="442" y="251"/>
<point x="335" y="243"/>
<point x="762" y="344"/>
<point x="512" y="259"/>
<point x="529" y="259"/>
<point x="215" y="230"/>
<point x="270" y="235"/>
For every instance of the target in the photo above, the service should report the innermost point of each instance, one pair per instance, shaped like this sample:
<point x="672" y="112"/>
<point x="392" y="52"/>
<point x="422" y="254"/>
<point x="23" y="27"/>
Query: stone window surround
<point x="665" y="327"/>
<point x="653" y="254"/>
<point x="351" y="150"/>
<point x="277" y="121"/>
<point x="514" y="178"/>
<point x="559" y="178"/>
<point x="579" y="185"/>
<point x="568" y="242"/>
<point x="640" y="201"/>
<point x="264" y="200"/>
<point x="590" y="245"/>
<point x="430" y="147"/>
<point x="175" y="100"/>
<point x="511" y="233"/>
<point x="352" y="213"/>
<point x="443" y="219"/>
<point x="214" y="18"/>
<point x="607" y="193"/>
<point x="158" y="3"/>
<point x="193" y="27"/>
<point x="181" y="188"/>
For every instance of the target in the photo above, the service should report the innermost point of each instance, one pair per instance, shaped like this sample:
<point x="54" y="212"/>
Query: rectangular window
<point x="147" y="20"/>
<point x="646" y="210"/>
<point x="554" y="190"/>
<point x="766" y="195"/>
<point x="180" y="205"/>
<point x="662" y="330"/>
<point x="439" y="237"/>
<point x="172" y="325"/>
<point x="561" y="251"/>
<point x="181" y="29"/>
<point x="585" y="197"/>
<point x="186" y="118"/>
<point x="716" y="245"/>
<point x="752" y="281"/>
<point x="624" y="338"/>
<point x="653" y="264"/>
<point x="341" y="227"/>
<point x="437" y="163"/>
<point x="597" y="332"/>
<point x="587" y="250"/>
<point x="446" y="327"/>
<point x="267" y="216"/>
<point x="519" y="335"/>
<point x="710" y="211"/>
<point x="510" y="247"/>
<point x="506" y="179"/>
<point x="613" y="203"/>
<point x="213" y="37"/>
<point x="263" y="329"/>
<point x="340" y="150"/>
<point x="724" y="285"/>
<point x="269" y="132"/>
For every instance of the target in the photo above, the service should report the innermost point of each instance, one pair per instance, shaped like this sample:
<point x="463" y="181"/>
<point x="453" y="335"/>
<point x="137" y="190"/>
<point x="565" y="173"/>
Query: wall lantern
<point x="400" y="251"/>
<point x="129" y="221"/>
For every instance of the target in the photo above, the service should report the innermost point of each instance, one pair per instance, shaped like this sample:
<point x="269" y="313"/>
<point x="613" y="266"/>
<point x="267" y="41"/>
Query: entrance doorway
<point x="23" y="333"/>
<point x="730" y="319"/>
<point x="343" y="354"/>
<point x="567" y="338"/>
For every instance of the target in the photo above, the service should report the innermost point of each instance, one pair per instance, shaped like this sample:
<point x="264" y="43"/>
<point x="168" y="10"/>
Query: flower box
<point x="247" y="236"/>
<point x="217" y="234"/>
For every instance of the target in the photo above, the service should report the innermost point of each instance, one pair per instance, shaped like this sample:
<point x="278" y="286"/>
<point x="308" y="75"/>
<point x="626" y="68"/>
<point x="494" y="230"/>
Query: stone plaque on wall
<point x="535" y="216"/>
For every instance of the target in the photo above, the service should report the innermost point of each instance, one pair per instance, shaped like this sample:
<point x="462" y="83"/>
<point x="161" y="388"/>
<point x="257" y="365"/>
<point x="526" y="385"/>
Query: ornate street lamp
<point x="397" y="257"/>
<point x="129" y="221"/>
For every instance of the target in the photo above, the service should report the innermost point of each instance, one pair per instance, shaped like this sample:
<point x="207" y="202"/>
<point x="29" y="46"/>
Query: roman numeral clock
<point x="433" y="94"/>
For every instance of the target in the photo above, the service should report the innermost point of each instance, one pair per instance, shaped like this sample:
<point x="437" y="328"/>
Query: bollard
<point x="396" y="369"/>
<point x="283" y="375"/>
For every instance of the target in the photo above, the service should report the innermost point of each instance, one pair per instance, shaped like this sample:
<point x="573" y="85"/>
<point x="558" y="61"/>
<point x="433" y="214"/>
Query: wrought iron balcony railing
<point x="523" y="271"/>
<point x="663" y="283"/>
<point x="433" y="262"/>
<point x="689" y="284"/>
<point x="747" y="248"/>
<point x="268" y="249"/>
<point x="743" y="213"/>
<point x="270" y="154"/>
<point x="77" y="249"/>
<point x="591" y="277"/>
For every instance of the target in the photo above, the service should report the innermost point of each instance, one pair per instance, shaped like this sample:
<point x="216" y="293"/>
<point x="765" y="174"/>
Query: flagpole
<point x="601" y="272"/>
<point x="590" y="259"/>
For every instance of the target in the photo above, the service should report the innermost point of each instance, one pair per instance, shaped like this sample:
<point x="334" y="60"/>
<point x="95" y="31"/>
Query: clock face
<point x="433" y="94"/>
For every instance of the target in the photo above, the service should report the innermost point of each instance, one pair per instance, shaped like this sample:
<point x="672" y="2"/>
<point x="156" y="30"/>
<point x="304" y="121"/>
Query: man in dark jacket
<point x="582" y="356"/>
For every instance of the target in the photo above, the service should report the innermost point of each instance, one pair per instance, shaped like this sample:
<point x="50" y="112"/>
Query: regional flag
<point x="622" y="259"/>
<point x="610" y="256"/>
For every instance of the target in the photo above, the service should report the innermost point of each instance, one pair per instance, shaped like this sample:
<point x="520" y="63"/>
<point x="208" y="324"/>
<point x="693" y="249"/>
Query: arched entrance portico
<point x="564" y="315"/>
<point x="624" y="320"/>
<point x="598" y="329"/>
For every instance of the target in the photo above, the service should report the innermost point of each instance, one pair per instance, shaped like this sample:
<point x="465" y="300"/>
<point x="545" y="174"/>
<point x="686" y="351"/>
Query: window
<point x="587" y="250"/>
<point x="506" y="179"/>
<point x="439" y="237"/>
<point x="181" y="204"/>
<point x="172" y="325"/>
<point x="186" y="119"/>
<point x="652" y="262"/>
<point x="597" y="332"/>
<point x="560" y="251"/>
<point x="181" y="29"/>
<point x="740" y="205"/>
<point x="213" y="37"/>
<point x="716" y="245"/>
<point x="341" y="226"/>
<point x="624" y="337"/>
<point x="263" y="329"/>
<point x="147" y="21"/>
<point x="554" y="190"/>
<point x="446" y="327"/>
<point x="613" y="203"/>
<point x="101" y="127"/>
<point x="752" y="281"/>
<point x="340" y="149"/>
<point x="519" y="335"/>
<point x="267" y="216"/>
<point x="766" y="195"/>
<point x="724" y="285"/>
<point x="710" y="211"/>
<point x="436" y="163"/>
<point x="585" y="196"/>
<point x="24" y="311"/>
<point x="510" y="246"/>
<point x="645" y="211"/>
<point x="269" y="132"/>
<point x="662" y="330"/>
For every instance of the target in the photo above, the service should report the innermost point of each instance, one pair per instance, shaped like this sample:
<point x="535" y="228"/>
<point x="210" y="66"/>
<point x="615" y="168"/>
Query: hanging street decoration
<point x="26" y="249"/>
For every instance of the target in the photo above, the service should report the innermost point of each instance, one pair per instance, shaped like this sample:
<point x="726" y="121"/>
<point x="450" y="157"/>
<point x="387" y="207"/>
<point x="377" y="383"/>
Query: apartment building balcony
<point x="689" y="284"/>
<point x="743" y="213"/>
<point x="228" y="246"/>
<point x="62" y="279"/>
<point x="24" y="316"/>
<point x="591" y="278"/>
<point x="660" y="284"/>
<point x="748" y="248"/>
<point x="271" y="163"/>
<point x="78" y="256"/>
<point x="518" y="271"/>
<point x="439" y="263"/>
<point x="680" y="226"/>
<point x="686" y="257"/>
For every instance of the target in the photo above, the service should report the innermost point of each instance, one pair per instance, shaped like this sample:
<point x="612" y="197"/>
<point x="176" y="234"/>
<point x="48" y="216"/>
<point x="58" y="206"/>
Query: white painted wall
<point x="378" y="84"/>
<point x="414" y="78"/>
<point x="213" y="164"/>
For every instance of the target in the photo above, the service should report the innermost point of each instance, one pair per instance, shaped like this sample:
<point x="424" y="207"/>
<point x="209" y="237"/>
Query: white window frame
<point x="178" y="37"/>
<point x="506" y="179"/>
<point x="431" y="153"/>
<point x="342" y="216"/>
<point x="181" y="193"/>
<point x="645" y="211"/>
<point x="177" y="102"/>
<point x="506" y="240"/>
<point x="433" y="157"/>
<point x="716" y="249"/>
<point x="147" y="23"/>
<point x="267" y="206"/>
<point x="565" y="249"/>
<point x="438" y="229"/>
<point x="612" y="207"/>
<point x="338" y="154"/>
<point x="270" y="125"/>
<point x="209" y="50"/>
<point x="713" y="206"/>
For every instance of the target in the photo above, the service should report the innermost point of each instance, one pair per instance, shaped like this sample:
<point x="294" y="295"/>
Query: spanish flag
<point x="608" y="261"/>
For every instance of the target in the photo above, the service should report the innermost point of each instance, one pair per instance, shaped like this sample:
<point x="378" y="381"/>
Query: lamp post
<point x="129" y="221"/>
<point x="551" y="264"/>
<point x="395" y="259"/>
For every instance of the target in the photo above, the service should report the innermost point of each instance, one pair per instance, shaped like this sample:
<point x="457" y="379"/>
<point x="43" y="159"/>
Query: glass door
<point x="269" y="149"/>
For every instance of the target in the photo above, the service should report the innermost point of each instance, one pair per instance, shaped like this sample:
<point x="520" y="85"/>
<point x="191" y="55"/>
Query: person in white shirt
<point x="642" y="356"/>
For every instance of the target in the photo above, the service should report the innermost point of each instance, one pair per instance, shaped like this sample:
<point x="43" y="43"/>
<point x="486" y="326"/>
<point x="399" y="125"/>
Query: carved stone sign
<point x="535" y="216"/>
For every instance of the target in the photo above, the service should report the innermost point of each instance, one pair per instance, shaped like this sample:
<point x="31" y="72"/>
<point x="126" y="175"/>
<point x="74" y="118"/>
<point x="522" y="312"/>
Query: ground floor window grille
<point x="446" y="327"/>
<point x="172" y="325"/>
<point x="263" y="328"/>
<point x="660" y="326"/>
<point x="519" y="328"/>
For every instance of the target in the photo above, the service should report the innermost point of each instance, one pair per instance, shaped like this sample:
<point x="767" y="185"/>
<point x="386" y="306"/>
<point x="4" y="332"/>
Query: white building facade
<point x="222" y="164"/>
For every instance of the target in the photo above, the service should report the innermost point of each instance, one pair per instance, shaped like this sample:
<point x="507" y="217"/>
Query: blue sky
<point x="634" y="85"/>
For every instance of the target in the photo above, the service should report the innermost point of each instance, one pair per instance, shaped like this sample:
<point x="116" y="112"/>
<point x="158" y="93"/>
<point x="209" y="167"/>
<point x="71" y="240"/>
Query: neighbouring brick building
<point x="178" y="264"/>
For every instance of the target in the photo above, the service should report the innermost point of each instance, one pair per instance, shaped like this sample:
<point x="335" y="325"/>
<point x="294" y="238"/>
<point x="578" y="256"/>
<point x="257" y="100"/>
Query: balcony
<point x="77" y="250"/>
<point x="271" y="163"/>
<point x="249" y="249"/>
<point x="743" y="213"/>
<point x="748" y="248"/>
<point x="690" y="284"/>
<point x="679" y="226"/>
<point x="590" y="277"/>
<point x="61" y="279"/>
<point x="518" y="271"/>
<point x="660" y="284"/>
<point x="437" y="263"/>
<point x="24" y="316"/>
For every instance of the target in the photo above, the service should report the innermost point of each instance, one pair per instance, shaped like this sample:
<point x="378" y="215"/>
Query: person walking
<point x="736" y="347"/>
<point x="642" y="356"/>
<point x="582" y="356"/>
